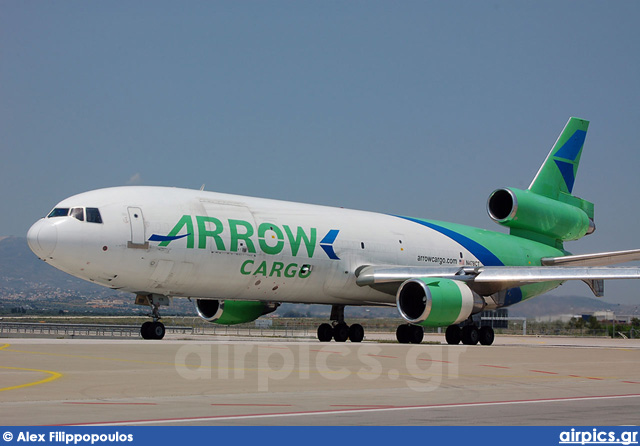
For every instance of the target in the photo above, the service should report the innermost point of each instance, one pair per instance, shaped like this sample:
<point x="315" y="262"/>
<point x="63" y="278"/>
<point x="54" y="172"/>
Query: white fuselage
<point x="186" y="243"/>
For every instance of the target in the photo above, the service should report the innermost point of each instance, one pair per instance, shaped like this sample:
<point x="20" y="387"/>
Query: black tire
<point x="325" y="333"/>
<point x="470" y="335"/>
<point x="157" y="330"/>
<point x="403" y="334"/>
<point x="487" y="335"/>
<point x="145" y="330"/>
<point x="356" y="333"/>
<point x="341" y="332"/>
<point x="416" y="334"/>
<point x="453" y="335"/>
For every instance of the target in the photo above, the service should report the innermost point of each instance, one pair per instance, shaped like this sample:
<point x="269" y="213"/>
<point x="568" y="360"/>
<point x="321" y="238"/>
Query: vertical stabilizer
<point x="548" y="212"/>
<point x="558" y="173"/>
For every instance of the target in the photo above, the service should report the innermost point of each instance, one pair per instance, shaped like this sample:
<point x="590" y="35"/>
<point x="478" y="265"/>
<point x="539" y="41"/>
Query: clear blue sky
<point x="419" y="108"/>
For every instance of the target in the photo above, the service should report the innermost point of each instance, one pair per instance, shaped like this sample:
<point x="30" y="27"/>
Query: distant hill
<point x="551" y="305"/>
<point x="29" y="285"/>
<point x="21" y="271"/>
<point x="22" y="274"/>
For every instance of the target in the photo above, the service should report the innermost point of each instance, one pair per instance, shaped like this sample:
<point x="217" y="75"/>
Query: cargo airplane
<point x="238" y="258"/>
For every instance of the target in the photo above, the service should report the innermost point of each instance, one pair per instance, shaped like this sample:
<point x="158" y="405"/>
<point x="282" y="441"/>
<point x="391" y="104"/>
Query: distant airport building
<point x="610" y="316"/>
<point x="495" y="318"/>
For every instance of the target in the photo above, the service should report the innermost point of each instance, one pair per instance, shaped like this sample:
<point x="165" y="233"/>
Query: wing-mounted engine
<point x="433" y="302"/>
<point x="527" y="213"/>
<point x="231" y="312"/>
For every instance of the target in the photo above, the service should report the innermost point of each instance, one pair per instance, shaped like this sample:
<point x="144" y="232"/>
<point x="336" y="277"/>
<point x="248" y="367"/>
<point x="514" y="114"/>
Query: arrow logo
<point x="327" y="243"/>
<point x="166" y="238"/>
<point x="565" y="157"/>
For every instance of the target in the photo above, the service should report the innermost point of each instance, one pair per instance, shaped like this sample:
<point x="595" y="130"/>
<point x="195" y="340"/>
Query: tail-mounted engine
<point x="568" y="218"/>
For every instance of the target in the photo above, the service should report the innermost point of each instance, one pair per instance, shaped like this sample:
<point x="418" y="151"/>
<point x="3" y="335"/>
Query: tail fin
<point x="547" y="212"/>
<point x="558" y="172"/>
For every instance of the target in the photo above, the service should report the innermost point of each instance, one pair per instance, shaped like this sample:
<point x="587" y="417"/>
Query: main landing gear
<point x="409" y="334"/>
<point x="155" y="329"/>
<point x="469" y="335"/>
<point x="338" y="329"/>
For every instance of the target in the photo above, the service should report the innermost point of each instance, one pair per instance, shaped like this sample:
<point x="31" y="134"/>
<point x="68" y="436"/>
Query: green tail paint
<point x="558" y="172"/>
<point x="547" y="212"/>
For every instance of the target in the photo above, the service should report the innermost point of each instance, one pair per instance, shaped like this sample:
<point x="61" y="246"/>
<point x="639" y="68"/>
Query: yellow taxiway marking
<point x="422" y="374"/>
<point x="203" y="367"/>
<point x="419" y="375"/>
<point x="53" y="375"/>
<point x="99" y="358"/>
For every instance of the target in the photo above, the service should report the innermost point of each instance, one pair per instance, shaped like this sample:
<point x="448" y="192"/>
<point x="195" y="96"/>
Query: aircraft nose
<point x="42" y="238"/>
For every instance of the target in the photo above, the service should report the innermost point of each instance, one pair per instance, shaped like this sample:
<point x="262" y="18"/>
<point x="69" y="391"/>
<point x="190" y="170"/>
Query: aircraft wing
<point x="487" y="280"/>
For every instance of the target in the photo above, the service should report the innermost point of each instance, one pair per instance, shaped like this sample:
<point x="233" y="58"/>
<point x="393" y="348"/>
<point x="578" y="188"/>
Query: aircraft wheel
<point x="416" y="334"/>
<point x="341" y="332"/>
<point x="453" y="335"/>
<point x="487" y="335"/>
<point x="470" y="335"/>
<point x="325" y="332"/>
<point x="356" y="333"/>
<point x="145" y="330"/>
<point x="157" y="330"/>
<point x="403" y="333"/>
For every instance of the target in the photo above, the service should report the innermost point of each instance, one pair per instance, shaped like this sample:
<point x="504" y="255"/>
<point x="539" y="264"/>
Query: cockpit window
<point x="93" y="215"/>
<point x="78" y="213"/>
<point x="59" y="212"/>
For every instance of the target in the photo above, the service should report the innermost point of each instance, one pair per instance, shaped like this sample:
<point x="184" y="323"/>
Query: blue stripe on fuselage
<point x="486" y="257"/>
<point x="481" y="253"/>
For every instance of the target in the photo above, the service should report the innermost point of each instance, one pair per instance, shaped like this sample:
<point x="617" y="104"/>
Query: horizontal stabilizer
<point x="597" y="259"/>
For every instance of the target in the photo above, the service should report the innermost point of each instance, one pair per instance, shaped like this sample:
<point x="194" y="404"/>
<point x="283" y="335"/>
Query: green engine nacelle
<point x="231" y="312"/>
<point x="527" y="211"/>
<point x="434" y="302"/>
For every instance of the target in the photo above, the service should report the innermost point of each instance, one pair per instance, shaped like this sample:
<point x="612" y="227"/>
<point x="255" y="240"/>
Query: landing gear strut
<point x="155" y="329"/>
<point x="338" y="329"/>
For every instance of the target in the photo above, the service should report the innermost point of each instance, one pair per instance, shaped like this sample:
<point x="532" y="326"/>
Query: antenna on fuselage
<point x="202" y="187"/>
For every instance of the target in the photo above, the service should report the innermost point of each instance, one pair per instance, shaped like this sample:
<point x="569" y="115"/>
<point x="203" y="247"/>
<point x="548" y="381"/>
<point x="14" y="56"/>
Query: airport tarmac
<point x="264" y="381"/>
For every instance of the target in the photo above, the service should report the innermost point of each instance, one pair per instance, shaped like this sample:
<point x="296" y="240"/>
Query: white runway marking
<point x="352" y="411"/>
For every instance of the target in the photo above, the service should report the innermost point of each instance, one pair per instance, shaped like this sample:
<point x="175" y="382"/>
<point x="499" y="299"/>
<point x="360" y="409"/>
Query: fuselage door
<point x="136" y="220"/>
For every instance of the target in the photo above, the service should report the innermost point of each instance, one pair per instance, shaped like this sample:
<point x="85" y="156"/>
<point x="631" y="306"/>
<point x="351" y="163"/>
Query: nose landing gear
<point x="155" y="329"/>
<point x="152" y="330"/>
